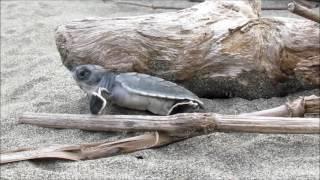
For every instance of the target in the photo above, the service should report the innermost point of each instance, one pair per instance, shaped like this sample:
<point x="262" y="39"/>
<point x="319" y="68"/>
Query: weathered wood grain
<point x="215" y="48"/>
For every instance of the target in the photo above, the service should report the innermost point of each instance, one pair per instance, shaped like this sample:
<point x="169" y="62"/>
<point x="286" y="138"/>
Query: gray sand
<point x="34" y="80"/>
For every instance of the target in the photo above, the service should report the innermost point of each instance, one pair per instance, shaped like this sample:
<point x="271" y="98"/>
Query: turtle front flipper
<point x="97" y="102"/>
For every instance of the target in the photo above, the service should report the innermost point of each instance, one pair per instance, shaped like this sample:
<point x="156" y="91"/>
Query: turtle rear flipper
<point x="184" y="107"/>
<point x="97" y="103"/>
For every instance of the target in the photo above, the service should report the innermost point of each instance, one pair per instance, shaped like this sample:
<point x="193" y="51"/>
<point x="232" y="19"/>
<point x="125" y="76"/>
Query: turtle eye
<point x="83" y="74"/>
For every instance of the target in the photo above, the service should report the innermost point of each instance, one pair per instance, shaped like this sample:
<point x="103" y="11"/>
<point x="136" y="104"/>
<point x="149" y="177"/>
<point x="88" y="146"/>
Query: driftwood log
<point x="215" y="48"/>
<point x="168" y="129"/>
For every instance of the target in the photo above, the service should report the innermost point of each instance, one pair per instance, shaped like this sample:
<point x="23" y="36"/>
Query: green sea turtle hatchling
<point x="133" y="90"/>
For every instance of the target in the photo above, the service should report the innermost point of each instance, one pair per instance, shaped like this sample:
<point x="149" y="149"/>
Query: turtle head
<point x="88" y="76"/>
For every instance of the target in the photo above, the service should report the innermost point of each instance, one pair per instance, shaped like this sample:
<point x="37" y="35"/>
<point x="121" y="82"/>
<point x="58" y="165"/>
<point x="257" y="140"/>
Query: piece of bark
<point x="303" y="11"/>
<point x="215" y="49"/>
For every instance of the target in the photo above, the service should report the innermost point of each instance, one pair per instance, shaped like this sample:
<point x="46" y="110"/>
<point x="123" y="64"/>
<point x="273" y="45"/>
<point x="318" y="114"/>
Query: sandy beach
<point x="33" y="79"/>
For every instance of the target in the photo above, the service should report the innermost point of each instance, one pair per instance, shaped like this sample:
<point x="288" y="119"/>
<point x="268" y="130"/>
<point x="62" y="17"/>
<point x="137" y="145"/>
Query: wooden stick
<point x="171" y="124"/>
<point x="180" y="125"/>
<point x="261" y="124"/>
<point x="296" y="108"/>
<point x="303" y="11"/>
<point x="293" y="109"/>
